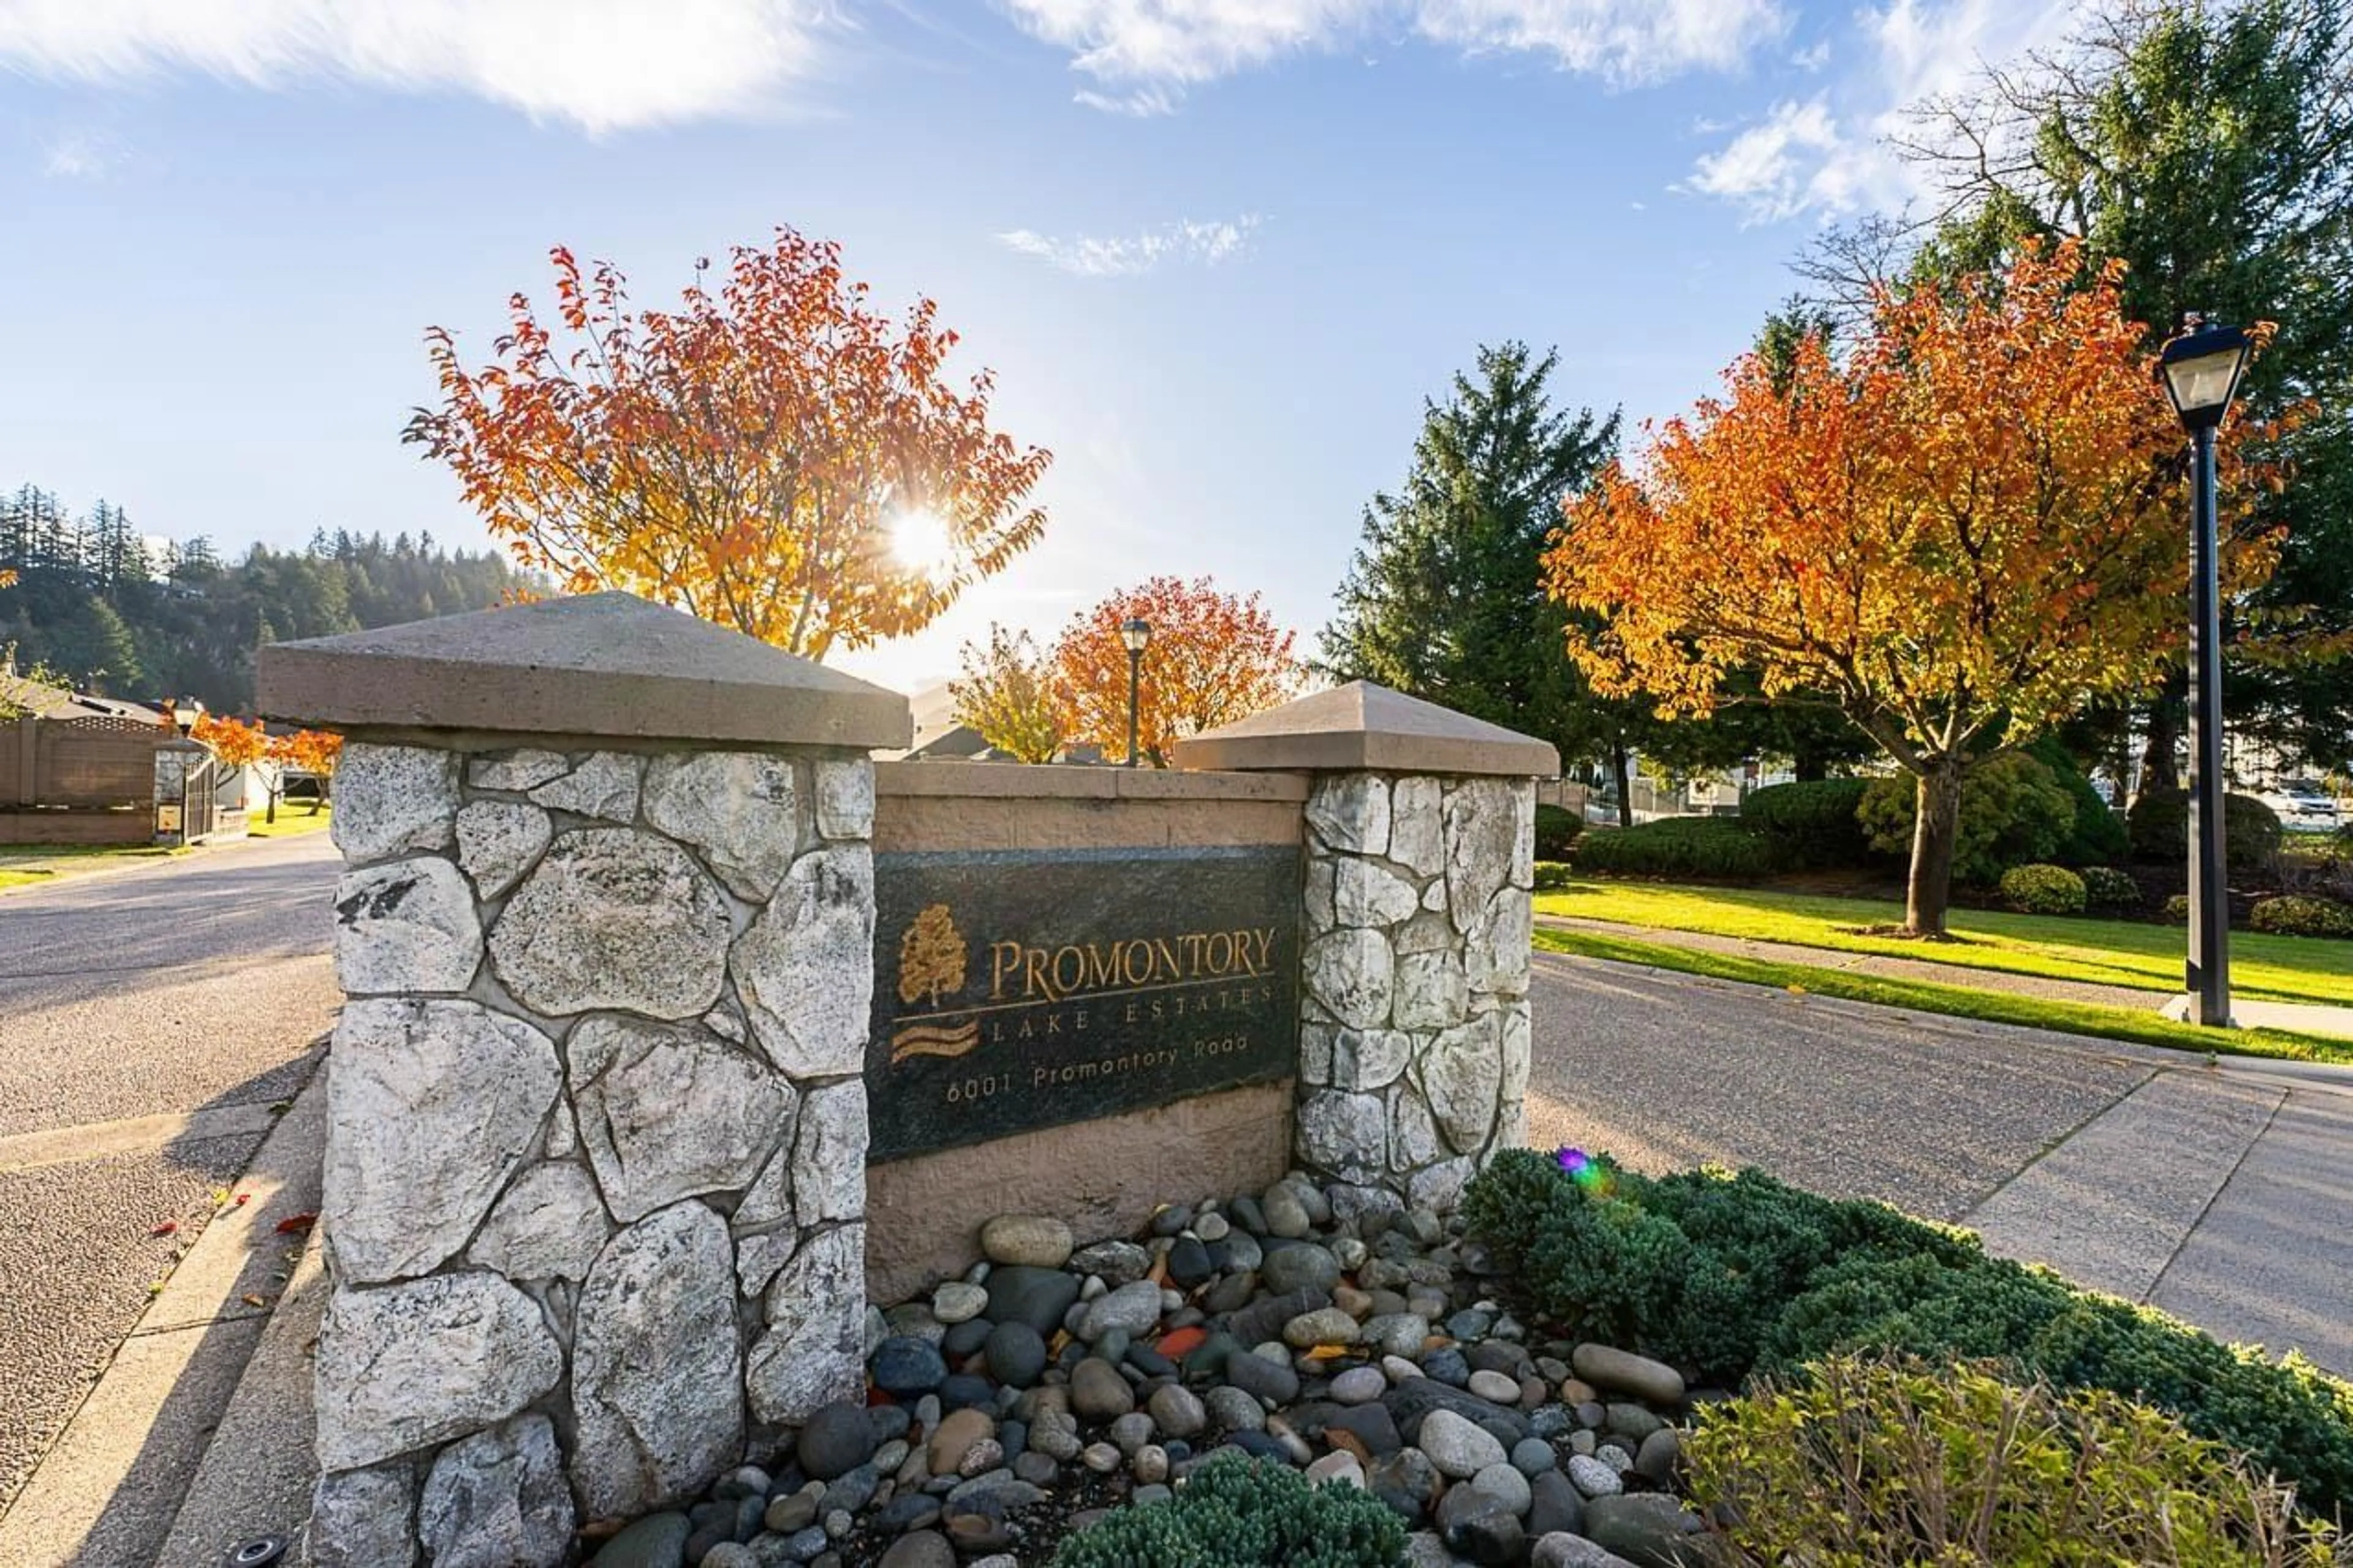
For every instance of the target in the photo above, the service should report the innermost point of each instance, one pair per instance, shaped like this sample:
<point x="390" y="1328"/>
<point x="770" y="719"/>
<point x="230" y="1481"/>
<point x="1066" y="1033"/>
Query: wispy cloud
<point x="1828" y="155"/>
<point x="602" y="65"/>
<point x="80" y="156"/>
<point x="1123" y="255"/>
<point x="1149" y="51"/>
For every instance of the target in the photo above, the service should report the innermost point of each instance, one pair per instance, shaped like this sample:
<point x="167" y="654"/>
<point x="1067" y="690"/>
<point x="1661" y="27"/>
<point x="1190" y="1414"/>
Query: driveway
<point x="153" y="1022"/>
<point x="2219" y="1193"/>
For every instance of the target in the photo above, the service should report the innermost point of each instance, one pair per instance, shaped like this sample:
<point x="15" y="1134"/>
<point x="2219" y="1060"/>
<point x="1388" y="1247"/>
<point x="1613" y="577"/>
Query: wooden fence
<point x="78" y="781"/>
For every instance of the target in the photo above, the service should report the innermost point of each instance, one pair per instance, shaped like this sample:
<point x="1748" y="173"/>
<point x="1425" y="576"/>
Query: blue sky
<point x="1216" y="251"/>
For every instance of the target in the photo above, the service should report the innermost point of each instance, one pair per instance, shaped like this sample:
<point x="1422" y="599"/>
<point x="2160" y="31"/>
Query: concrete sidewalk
<point x="198" y="1435"/>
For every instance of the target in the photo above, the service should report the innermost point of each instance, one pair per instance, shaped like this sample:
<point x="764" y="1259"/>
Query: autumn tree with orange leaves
<point x="749" y="457"/>
<point x="1962" y="531"/>
<point x="1215" y="658"/>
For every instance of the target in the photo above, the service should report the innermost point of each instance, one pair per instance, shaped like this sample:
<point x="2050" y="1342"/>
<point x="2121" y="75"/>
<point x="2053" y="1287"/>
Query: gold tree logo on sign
<point x="932" y="964"/>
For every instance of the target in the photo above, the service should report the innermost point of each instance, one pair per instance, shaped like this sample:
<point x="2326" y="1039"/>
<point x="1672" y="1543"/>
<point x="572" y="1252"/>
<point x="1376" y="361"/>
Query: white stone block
<point x="814" y="1352"/>
<point x="431" y="1107"/>
<point x="1350" y="812"/>
<point x="394" y="800"/>
<point x="829" y="1155"/>
<point x="655" y="1372"/>
<point x="669" y="1112"/>
<point x="499" y="1500"/>
<point x="845" y="800"/>
<point x="605" y="784"/>
<point x="409" y="1365"/>
<point x="805" y="968"/>
<point x="613" y="918"/>
<point x="1353" y="975"/>
<point x="497" y="841"/>
<point x="403" y="927"/>
<point x="740" y="809"/>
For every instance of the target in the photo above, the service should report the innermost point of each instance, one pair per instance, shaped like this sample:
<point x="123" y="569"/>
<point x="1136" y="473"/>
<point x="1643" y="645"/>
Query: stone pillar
<point x="596" y="1158"/>
<point x="1414" y="1034"/>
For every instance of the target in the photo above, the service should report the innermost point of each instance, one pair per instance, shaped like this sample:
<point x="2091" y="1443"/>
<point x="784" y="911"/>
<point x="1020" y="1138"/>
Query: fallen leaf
<point x="1179" y="1343"/>
<point x="166" y="1229"/>
<point x="295" y="1224"/>
<point x="1330" y="1353"/>
<point x="241" y="1198"/>
<point x="252" y="1301"/>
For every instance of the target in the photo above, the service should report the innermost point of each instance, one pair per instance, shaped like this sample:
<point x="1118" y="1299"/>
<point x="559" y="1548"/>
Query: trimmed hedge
<point x="2014" y="812"/>
<point x="2302" y="914"/>
<point x="1556" y="829"/>
<point x="1549" y="876"/>
<point x="2098" y="833"/>
<point x="1723" y="1275"/>
<point x="2105" y="888"/>
<point x="2044" y="890"/>
<point x="1241" y="1512"/>
<point x="2159" y="824"/>
<point x="1813" y="824"/>
<point x="1678" y="846"/>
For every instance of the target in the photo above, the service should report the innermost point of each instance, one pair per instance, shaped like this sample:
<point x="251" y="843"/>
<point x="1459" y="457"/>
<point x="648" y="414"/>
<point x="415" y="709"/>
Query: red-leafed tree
<point x="774" y="454"/>
<point x="1964" y="529"/>
<point x="1214" y="658"/>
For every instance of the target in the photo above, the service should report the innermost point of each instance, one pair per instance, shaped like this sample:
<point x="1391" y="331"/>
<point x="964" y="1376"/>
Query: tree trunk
<point x="1812" y="767"/>
<point x="2159" y="758"/>
<point x="1624" y="772"/>
<point x="1935" y="827"/>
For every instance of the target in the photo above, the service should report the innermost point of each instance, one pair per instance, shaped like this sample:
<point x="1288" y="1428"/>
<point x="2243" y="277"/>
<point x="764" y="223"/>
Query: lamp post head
<point x="2202" y="371"/>
<point x="1136" y="632"/>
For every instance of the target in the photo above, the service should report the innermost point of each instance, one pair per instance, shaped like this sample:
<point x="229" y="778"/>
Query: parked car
<point x="2304" y="808"/>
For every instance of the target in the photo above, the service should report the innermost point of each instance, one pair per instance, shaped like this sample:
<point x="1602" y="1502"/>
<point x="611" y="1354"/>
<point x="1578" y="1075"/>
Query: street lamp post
<point x="1136" y="632"/>
<point x="2202" y="370"/>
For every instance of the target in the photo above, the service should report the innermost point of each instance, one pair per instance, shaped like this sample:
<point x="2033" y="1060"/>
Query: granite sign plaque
<point x="1015" y="989"/>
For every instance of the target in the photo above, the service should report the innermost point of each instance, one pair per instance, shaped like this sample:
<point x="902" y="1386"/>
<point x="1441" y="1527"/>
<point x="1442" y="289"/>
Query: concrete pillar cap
<point x="591" y="667"/>
<point x="1363" y="728"/>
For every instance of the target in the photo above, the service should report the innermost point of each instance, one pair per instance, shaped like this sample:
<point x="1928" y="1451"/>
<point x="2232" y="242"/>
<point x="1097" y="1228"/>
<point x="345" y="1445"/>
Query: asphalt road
<point x="1666" y="1071"/>
<point x="148" y="1019"/>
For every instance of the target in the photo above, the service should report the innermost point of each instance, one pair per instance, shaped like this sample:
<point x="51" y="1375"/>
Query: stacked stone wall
<point x="595" y="1193"/>
<point x="1415" y="1034"/>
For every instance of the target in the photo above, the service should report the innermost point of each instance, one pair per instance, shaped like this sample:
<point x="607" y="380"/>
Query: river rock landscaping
<point x="1546" y="1379"/>
<point x="1052" y="1383"/>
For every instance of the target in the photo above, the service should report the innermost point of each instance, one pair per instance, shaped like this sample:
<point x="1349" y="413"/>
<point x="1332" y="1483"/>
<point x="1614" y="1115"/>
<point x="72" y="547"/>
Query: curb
<point x="106" y="1494"/>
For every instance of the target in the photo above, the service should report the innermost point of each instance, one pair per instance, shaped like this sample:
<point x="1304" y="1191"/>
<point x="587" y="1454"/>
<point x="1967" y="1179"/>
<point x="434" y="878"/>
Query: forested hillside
<point x="101" y="601"/>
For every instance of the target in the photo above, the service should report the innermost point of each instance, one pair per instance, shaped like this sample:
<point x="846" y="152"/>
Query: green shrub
<point x="2159" y="824"/>
<point x="2105" y="888"/>
<point x="1723" y="1275"/>
<point x="1551" y="875"/>
<point x="1813" y="824"/>
<point x="2044" y="890"/>
<point x="2097" y="835"/>
<point x="2301" y="914"/>
<point x="1678" y="846"/>
<point x="2012" y="812"/>
<point x="2290" y="1418"/>
<point x="1556" y="829"/>
<point x="1235" y="1512"/>
<point x="2177" y="908"/>
<point x="1886" y="1462"/>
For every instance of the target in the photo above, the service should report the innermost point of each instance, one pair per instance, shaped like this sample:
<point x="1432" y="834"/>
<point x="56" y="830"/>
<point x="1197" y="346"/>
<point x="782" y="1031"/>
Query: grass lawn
<point x="33" y="864"/>
<point x="1956" y="1001"/>
<point x="2107" y="952"/>
<point x="292" y="820"/>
